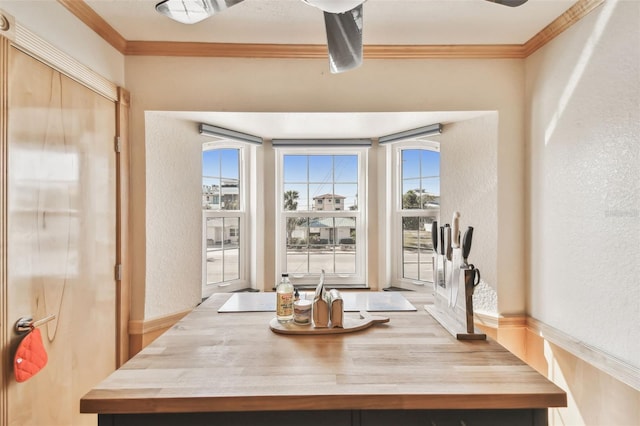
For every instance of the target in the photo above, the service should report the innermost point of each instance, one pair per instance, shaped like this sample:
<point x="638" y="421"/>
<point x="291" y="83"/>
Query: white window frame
<point x="398" y="213"/>
<point x="355" y="280"/>
<point x="244" y="280"/>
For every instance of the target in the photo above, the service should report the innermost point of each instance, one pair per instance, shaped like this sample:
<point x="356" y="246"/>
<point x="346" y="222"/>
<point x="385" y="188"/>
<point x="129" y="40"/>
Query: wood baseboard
<point x="516" y="332"/>
<point x="596" y="357"/>
<point x="143" y="332"/>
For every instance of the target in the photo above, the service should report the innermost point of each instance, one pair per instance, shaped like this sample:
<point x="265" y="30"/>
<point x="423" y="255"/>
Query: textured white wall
<point x="52" y="22"/>
<point x="173" y="215"/>
<point x="246" y="85"/>
<point x="469" y="184"/>
<point x="583" y="101"/>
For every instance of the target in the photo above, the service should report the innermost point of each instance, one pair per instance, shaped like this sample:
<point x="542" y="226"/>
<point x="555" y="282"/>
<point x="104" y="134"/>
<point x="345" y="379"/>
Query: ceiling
<point x="386" y="22"/>
<point x="424" y="22"/>
<point x="321" y="125"/>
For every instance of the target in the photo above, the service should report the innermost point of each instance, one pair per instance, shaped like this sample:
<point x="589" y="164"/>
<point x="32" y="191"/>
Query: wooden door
<point x="60" y="237"/>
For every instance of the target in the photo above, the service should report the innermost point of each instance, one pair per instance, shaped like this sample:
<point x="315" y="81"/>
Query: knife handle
<point x="466" y="243"/>
<point x="442" y="252"/>
<point x="455" y="230"/>
<point x="434" y="235"/>
<point x="447" y="241"/>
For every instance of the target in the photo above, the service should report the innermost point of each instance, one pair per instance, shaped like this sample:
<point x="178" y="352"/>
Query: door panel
<point x="61" y="236"/>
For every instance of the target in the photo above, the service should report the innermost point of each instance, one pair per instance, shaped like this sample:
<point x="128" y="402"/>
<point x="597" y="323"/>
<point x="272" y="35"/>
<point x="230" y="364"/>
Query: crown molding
<point x="319" y="51"/>
<point x="225" y="50"/>
<point x="572" y="15"/>
<point x="454" y="51"/>
<point x="314" y="51"/>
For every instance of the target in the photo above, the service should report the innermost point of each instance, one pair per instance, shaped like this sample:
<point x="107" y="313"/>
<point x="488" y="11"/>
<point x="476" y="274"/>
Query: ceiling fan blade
<point x="193" y="11"/>
<point x="510" y="3"/>
<point x="344" y="39"/>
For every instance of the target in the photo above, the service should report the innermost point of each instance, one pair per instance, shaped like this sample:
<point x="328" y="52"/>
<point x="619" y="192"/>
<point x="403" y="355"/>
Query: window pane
<point x="350" y="194"/>
<point x="346" y="168"/>
<point x="430" y="192"/>
<point x="297" y="245"/>
<point x="430" y="163"/>
<point x="210" y="193"/>
<point x="316" y="176"/>
<point x="417" y="248"/>
<point x="295" y="197"/>
<point x="229" y="195"/>
<point x="211" y="163"/>
<point x="411" y="163"/>
<point x="321" y="243"/>
<point x="232" y="248"/>
<point x="410" y="252"/>
<point x="321" y="248"/>
<point x="321" y="196"/>
<point x="295" y="168"/>
<point x="230" y="164"/>
<point x="221" y="179"/>
<point x="346" y="249"/>
<point x="411" y="194"/>
<point x="214" y="250"/>
<point x="223" y="251"/>
<point x="420" y="179"/>
<point x="320" y="168"/>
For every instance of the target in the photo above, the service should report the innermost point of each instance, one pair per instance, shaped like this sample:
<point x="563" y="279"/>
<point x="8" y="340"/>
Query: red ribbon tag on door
<point x="31" y="356"/>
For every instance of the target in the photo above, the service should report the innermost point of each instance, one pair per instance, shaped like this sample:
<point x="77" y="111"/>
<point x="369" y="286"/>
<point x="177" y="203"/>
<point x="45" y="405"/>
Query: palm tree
<point x="291" y="200"/>
<point x="291" y="203"/>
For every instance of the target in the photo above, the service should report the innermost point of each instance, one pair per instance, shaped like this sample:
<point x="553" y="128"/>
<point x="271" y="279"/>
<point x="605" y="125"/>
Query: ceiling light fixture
<point x="221" y="132"/>
<point x="433" y="129"/>
<point x="192" y="11"/>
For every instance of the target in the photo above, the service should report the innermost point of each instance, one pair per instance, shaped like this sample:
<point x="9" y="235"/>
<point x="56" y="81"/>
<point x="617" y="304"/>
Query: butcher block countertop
<point x="215" y="362"/>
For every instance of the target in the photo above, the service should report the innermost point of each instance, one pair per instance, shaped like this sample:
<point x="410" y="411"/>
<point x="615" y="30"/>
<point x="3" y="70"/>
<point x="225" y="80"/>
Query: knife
<point x="446" y="259"/>
<point x="434" y="243"/>
<point x="466" y="246"/>
<point x="443" y="282"/>
<point x="455" y="267"/>
<point x="434" y="236"/>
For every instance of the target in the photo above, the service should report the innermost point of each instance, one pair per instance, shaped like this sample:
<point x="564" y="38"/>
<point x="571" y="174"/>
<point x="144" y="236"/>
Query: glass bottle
<point x="284" y="299"/>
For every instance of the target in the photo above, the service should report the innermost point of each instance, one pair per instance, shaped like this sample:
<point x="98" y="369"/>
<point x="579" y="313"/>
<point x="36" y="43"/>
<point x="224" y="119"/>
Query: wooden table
<point x="231" y="369"/>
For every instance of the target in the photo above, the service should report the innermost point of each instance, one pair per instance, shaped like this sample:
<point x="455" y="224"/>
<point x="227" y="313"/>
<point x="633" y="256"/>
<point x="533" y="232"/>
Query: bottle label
<point x="285" y="305"/>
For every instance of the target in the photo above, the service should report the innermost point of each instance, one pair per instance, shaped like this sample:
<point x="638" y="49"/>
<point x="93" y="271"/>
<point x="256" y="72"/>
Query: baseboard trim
<point x="155" y="324"/>
<point x="613" y="366"/>
<point x="598" y="358"/>
<point x="492" y="320"/>
<point x="143" y="332"/>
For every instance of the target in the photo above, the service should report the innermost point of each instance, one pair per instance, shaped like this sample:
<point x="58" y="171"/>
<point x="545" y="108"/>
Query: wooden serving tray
<point x="350" y="324"/>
